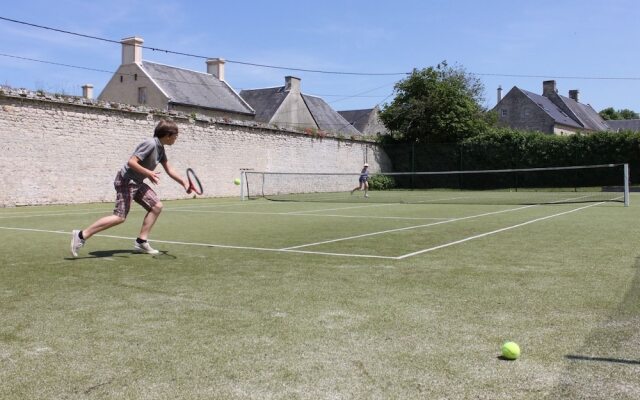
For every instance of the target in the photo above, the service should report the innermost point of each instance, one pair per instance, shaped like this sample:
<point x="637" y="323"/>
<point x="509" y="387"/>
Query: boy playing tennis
<point x="129" y="186"/>
<point x="362" y="181"/>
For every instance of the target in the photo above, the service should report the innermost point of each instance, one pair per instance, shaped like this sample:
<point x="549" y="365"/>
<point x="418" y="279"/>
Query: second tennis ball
<point x="236" y="181"/>
<point x="510" y="350"/>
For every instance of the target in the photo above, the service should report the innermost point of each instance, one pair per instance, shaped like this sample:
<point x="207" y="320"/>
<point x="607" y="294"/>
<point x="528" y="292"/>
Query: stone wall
<point x="60" y="149"/>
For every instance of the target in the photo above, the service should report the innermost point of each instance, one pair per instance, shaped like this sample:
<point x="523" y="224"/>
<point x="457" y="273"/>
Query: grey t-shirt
<point x="151" y="153"/>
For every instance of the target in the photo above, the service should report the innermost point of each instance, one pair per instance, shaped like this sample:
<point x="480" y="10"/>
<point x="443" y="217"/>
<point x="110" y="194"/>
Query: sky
<point x="363" y="47"/>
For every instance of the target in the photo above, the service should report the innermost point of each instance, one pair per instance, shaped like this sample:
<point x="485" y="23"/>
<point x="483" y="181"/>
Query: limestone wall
<point x="59" y="150"/>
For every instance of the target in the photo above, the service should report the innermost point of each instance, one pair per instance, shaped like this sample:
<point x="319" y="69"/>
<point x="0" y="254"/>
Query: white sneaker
<point x="145" y="248"/>
<point x="76" y="242"/>
<point x="366" y="195"/>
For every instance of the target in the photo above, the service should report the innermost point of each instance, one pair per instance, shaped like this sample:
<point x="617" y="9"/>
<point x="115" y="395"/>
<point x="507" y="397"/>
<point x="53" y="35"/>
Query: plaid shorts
<point x="128" y="189"/>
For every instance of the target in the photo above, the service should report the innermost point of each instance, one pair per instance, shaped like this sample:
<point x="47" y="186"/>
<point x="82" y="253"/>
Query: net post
<point x="626" y="185"/>
<point x="242" y="185"/>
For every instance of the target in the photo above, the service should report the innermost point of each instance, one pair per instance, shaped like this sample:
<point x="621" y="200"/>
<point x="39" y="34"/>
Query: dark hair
<point x="165" y="128"/>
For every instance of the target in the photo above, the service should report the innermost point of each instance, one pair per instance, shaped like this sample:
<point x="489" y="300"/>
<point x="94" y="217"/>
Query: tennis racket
<point x="194" y="183"/>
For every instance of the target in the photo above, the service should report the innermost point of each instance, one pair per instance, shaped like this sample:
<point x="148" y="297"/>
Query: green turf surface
<point x="295" y="300"/>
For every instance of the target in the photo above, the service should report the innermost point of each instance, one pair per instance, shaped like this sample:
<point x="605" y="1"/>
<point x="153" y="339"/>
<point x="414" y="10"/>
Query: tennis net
<point x="574" y="184"/>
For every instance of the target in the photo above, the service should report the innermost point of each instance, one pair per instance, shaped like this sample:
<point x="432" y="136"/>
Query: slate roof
<point x="192" y="88"/>
<point x="267" y="101"/>
<point x="624" y="124"/>
<point x="327" y="118"/>
<point x="551" y="109"/>
<point x="357" y="118"/>
<point x="264" y="101"/>
<point x="589" y="118"/>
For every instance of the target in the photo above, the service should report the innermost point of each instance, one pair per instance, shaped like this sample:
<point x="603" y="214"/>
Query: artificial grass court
<point x="297" y="300"/>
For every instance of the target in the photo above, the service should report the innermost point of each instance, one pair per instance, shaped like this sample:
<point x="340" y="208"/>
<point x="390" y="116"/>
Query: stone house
<point x="163" y="87"/>
<point x="366" y="121"/>
<point x="549" y="113"/>
<point x="618" y="125"/>
<point x="286" y="106"/>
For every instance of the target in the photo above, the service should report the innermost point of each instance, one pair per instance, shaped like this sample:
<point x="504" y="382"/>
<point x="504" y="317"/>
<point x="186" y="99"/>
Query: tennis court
<point x="361" y="298"/>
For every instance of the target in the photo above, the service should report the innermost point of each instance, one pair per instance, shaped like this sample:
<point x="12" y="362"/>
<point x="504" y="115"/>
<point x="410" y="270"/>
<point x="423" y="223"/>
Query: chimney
<point x="215" y="67"/>
<point x="87" y="91"/>
<point x="499" y="93"/>
<point x="291" y="84"/>
<point x="573" y="95"/>
<point x="132" y="50"/>
<point x="548" y="88"/>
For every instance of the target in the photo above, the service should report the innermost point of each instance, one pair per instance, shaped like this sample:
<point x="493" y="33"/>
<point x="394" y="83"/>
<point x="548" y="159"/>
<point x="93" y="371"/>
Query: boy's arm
<point x="134" y="164"/>
<point x="174" y="175"/>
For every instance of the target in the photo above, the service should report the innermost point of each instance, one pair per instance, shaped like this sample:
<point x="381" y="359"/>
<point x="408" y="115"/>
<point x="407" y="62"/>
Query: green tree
<point x="609" y="113"/>
<point x="436" y="105"/>
<point x="628" y="114"/>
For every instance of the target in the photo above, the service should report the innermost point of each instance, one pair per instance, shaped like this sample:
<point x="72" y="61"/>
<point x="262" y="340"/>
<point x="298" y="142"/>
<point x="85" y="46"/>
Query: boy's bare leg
<point x="102" y="224"/>
<point x="149" y="221"/>
<point x="78" y="237"/>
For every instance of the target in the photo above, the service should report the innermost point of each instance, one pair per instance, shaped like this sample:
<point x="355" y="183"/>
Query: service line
<point x="415" y="253"/>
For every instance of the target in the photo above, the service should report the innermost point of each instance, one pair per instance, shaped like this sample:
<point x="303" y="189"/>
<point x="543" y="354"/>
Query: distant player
<point x="363" y="180"/>
<point x="129" y="186"/>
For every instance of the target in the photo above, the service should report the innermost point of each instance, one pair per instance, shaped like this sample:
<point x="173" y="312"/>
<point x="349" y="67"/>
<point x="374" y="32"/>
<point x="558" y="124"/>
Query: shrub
<point x="381" y="182"/>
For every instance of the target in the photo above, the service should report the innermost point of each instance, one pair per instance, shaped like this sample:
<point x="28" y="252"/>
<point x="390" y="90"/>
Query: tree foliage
<point x="436" y="105"/>
<point x="610" y="114"/>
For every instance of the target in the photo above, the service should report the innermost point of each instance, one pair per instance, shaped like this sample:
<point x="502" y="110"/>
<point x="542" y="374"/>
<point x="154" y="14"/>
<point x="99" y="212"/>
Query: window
<point x="142" y="95"/>
<point x="504" y="112"/>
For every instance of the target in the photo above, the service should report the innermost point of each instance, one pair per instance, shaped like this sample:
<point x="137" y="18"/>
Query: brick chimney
<point x="573" y="95"/>
<point x="499" y="93"/>
<point x="132" y="50"/>
<point x="291" y="84"/>
<point x="87" y="91"/>
<point x="548" y="88"/>
<point x="215" y="67"/>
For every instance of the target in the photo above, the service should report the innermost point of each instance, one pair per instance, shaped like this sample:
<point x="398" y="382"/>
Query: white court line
<point x="292" y="249"/>
<point x="18" y="211"/>
<point x="57" y="214"/>
<point x="406" y="228"/>
<point x="373" y="217"/>
<point x="194" y="210"/>
<point x="427" y="225"/>
<point x="443" y="199"/>
<point x="492" y="232"/>
<point x="87" y="211"/>
<point x="338" y="208"/>
<point x="213" y="205"/>
<point x="52" y="214"/>
<point x="308" y="214"/>
<point x="222" y="246"/>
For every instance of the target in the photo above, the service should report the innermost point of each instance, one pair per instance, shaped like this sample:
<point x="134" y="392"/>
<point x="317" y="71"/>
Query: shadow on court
<point x="597" y="369"/>
<point x="602" y="359"/>
<point x="123" y="253"/>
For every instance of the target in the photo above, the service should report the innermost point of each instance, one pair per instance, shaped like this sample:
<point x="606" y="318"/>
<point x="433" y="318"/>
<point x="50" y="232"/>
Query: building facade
<point x="548" y="113"/>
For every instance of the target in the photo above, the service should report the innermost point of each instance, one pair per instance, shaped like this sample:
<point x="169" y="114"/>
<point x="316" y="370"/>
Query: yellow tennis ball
<point x="236" y="181"/>
<point x="510" y="350"/>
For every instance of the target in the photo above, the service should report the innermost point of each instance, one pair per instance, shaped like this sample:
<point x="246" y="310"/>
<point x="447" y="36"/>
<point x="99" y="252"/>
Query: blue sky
<point x="566" y="40"/>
